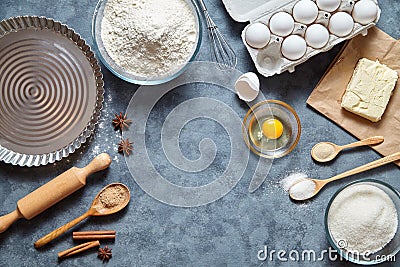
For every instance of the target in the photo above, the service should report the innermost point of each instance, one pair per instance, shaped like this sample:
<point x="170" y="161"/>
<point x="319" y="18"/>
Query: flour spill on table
<point x="101" y="131"/>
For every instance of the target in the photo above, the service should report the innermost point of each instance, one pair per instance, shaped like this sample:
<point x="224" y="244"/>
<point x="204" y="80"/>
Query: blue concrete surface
<point x="228" y="232"/>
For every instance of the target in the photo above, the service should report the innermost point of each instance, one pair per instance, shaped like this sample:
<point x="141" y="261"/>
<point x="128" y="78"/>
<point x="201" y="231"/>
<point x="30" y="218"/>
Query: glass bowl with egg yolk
<point x="271" y="129"/>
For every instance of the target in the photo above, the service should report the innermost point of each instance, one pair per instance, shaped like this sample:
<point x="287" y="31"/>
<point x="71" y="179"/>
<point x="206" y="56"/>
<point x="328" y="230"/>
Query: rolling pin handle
<point x="99" y="163"/>
<point x="8" y="219"/>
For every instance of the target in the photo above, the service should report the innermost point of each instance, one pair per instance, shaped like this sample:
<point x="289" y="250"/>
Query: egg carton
<point x="269" y="60"/>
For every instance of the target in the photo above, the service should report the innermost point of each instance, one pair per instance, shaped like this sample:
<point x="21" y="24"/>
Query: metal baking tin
<point x="51" y="91"/>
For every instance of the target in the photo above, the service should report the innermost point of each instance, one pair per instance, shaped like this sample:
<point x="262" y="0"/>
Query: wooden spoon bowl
<point x="327" y="151"/>
<point x="100" y="209"/>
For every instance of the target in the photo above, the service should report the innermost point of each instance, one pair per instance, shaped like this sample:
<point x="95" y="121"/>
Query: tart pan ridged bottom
<point x="51" y="91"/>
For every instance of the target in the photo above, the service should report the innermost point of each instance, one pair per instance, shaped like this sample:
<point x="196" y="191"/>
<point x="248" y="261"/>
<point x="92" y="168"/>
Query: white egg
<point x="248" y="86"/>
<point x="281" y="24"/>
<point x="305" y="11"/>
<point x="257" y="35"/>
<point x="294" y="47"/>
<point x="341" y="24"/>
<point x="328" y="5"/>
<point x="317" y="36"/>
<point x="365" y="11"/>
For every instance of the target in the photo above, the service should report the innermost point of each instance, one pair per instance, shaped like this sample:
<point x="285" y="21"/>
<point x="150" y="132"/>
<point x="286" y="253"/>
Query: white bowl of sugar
<point x="362" y="222"/>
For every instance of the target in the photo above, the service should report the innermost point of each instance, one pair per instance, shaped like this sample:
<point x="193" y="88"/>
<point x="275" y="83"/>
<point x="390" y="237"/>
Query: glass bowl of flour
<point x="362" y="222"/>
<point x="146" y="42"/>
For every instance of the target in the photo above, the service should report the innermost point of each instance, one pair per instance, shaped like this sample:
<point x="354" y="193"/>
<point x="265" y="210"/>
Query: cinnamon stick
<point x="78" y="249"/>
<point x="102" y="232"/>
<point x="95" y="235"/>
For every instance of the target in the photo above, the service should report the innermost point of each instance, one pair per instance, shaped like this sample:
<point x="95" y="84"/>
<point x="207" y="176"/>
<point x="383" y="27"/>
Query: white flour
<point x="364" y="217"/>
<point x="149" y="38"/>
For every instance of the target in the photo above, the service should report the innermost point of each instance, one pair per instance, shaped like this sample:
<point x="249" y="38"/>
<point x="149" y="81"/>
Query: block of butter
<point x="369" y="89"/>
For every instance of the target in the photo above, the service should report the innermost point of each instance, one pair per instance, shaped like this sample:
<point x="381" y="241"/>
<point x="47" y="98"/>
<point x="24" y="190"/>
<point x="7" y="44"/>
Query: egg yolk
<point x="272" y="128"/>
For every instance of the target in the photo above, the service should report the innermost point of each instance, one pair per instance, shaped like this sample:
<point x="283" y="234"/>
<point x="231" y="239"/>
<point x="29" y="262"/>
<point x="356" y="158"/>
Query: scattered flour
<point x="96" y="150"/>
<point x="364" y="217"/>
<point x="149" y="38"/>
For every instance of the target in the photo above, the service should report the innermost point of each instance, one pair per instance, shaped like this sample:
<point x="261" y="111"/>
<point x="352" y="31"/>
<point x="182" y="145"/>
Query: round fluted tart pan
<point x="51" y="91"/>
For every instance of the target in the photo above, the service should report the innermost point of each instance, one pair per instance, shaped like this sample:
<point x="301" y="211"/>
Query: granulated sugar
<point x="364" y="217"/>
<point x="303" y="189"/>
<point x="292" y="179"/>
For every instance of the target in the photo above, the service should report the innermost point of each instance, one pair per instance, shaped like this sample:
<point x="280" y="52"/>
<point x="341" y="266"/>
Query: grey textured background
<point x="228" y="232"/>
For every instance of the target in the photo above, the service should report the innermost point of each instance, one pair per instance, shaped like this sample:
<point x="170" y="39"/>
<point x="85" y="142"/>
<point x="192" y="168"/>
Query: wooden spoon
<point x="96" y="209"/>
<point x="331" y="149"/>
<point x="311" y="187"/>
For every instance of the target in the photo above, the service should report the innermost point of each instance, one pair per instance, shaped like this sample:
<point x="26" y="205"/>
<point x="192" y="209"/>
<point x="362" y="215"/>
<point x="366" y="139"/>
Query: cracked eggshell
<point x="247" y="86"/>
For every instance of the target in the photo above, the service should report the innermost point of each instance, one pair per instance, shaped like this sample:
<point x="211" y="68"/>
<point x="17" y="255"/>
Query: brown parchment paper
<point x="326" y="97"/>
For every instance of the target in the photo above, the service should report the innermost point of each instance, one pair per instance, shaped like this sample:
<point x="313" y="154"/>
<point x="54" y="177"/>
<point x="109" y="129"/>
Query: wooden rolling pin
<point x="55" y="190"/>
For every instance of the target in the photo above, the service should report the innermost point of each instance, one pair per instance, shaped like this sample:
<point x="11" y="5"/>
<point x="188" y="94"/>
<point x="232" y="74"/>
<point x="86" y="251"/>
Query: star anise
<point x="104" y="253"/>
<point x="120" y="121"/>
<point x="125" y="146"/>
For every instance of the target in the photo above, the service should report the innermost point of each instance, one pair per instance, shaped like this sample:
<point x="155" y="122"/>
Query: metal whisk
<point x="221" y="51"/>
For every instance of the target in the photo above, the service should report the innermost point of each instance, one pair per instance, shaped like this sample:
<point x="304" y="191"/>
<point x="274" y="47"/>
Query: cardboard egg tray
<point x="269" y="59"/>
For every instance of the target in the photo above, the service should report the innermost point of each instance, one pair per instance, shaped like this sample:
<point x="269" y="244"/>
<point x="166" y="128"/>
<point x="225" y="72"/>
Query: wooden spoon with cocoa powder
<point x="111" y="199"/>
